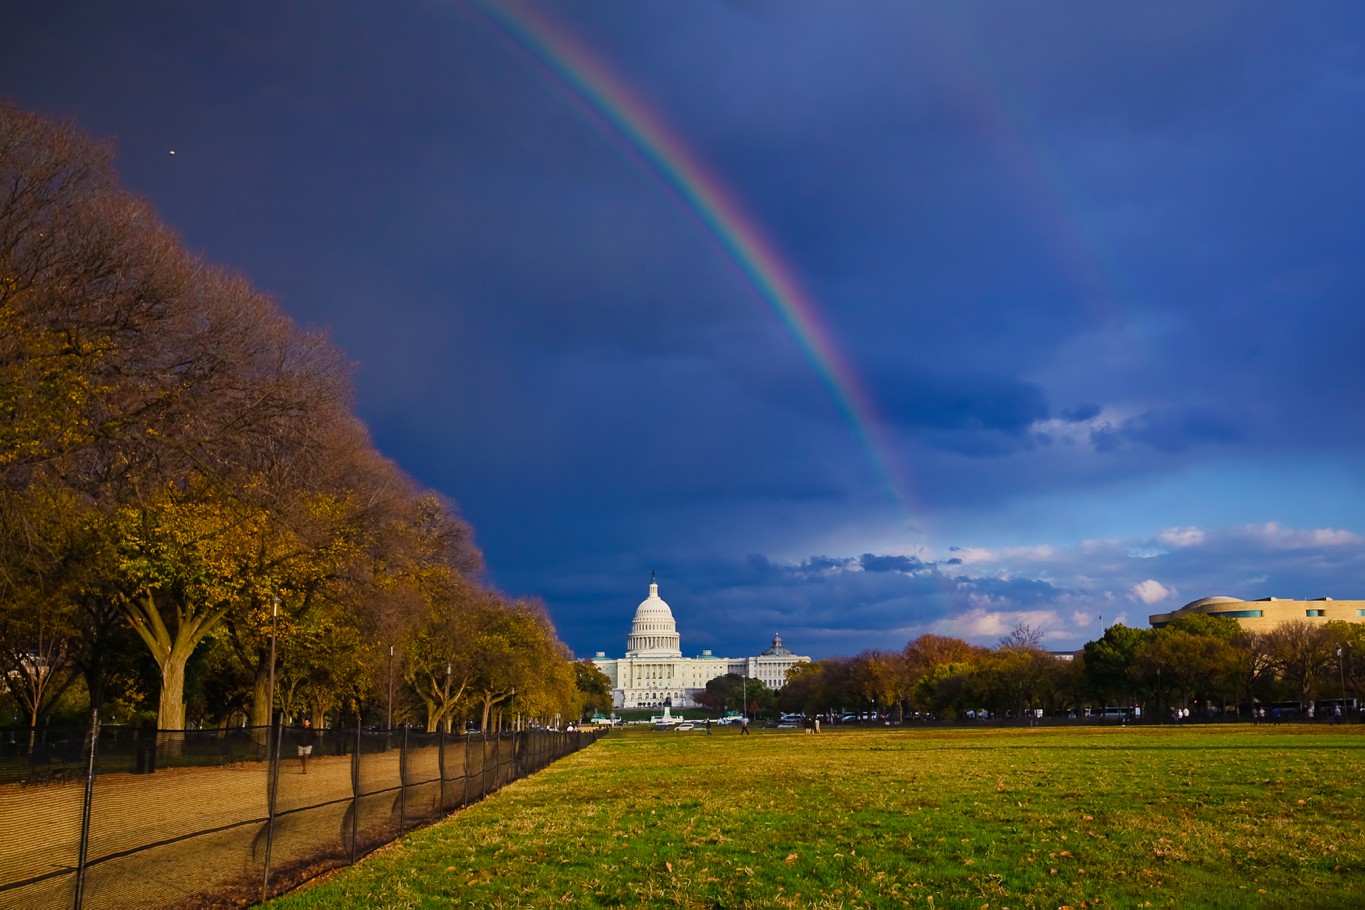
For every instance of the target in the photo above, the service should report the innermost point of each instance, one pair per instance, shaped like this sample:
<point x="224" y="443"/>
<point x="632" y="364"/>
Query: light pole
<point x="274" y="613"/>
<point x="272" y="749"/>
<point x="388" y="722"/>
<point x="744" y="695"/>
<point x="1341" y="665"/>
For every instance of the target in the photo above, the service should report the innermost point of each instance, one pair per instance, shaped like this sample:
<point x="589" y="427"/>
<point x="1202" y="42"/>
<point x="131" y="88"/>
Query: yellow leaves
<point x="791" y="858"/>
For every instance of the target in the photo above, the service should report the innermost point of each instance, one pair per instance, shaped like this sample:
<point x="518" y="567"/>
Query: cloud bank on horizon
<point x="1092" y="273"/>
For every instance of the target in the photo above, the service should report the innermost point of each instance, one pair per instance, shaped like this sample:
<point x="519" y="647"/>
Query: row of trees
<point x="185" y="491"/>
<point x="1204" y="663"/>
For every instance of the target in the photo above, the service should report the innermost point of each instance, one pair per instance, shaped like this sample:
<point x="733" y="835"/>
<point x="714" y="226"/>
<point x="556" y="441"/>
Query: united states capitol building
<point x="654" y="670"/>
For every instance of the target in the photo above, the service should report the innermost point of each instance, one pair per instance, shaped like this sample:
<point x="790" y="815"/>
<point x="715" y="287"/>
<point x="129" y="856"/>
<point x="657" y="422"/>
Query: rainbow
<point x="577" y="70"/>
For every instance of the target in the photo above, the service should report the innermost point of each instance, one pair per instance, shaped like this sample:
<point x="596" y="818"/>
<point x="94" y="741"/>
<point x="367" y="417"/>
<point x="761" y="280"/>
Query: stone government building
<point x="1267" y="613"/>
<point x="654" y="670"/>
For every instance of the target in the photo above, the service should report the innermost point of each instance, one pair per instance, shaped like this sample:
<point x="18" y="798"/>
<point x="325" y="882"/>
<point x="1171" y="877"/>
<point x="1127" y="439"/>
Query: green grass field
<point x="1193" y="817"/>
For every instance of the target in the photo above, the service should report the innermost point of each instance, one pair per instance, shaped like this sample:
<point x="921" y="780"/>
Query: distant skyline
<point x="854" y="323"/>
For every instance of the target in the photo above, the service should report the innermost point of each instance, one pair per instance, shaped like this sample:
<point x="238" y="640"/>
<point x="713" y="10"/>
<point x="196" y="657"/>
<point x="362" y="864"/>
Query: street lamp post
<point x="1341" y="666"/>
<point x="272" y="748"/>
<point x="388" y="721"/>
<point x="274" y="613"/>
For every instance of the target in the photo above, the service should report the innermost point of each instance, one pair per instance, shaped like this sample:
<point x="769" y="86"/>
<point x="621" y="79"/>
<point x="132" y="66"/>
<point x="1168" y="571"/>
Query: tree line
<point x="1207" y="664"/>
<point x="185" y="491"/>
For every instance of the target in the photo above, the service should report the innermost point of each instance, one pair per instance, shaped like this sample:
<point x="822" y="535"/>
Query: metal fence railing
<point x="216" y="818"/>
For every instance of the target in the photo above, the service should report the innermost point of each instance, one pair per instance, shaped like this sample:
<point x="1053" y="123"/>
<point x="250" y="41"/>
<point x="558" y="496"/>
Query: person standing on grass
<point x="744" y="726"/>
<point x="307" y="736"/>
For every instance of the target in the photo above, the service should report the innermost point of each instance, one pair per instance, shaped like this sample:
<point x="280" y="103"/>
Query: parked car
<point x="688" y="725"/>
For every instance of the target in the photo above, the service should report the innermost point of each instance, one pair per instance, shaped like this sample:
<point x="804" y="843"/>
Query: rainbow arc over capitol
<point x="575" y="69"/>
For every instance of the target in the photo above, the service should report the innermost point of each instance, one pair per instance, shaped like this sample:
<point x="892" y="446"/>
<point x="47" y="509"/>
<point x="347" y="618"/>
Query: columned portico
<point x="654" y="671"/>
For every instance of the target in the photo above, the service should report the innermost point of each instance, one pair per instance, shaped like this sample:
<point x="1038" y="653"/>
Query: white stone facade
<point x="654" y="672"/>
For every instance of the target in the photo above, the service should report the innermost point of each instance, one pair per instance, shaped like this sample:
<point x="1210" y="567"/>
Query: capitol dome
<point x="653" y="632"/>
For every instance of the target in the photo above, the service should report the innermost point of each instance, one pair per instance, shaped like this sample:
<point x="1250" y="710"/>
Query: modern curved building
<point x="654" y="670"/>
<point x="1267" y="613"/>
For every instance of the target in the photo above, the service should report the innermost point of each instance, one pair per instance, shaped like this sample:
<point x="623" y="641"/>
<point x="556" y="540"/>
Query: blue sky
<point x="1096" y="268"/>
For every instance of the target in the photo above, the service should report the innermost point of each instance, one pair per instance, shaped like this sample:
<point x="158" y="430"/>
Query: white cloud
<point x="986" y="626"/>
<point x="977" y="556"/>
<point x="1151" y="591"/>
<point x="1274" y="535"/>
<point x="1181" y="537"/>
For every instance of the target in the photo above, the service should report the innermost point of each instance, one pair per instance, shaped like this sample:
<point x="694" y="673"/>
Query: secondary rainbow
<point x="696" y="188"/>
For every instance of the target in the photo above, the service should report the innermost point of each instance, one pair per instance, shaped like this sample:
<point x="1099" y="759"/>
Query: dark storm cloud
<point x="1017" y="593"/>
<point x="1169" y="430"/>
<point x="963" y="401"/>
<point x="873" y="563"/>
<point x="1081" y="413"/>
<point x="1084" y="260"/>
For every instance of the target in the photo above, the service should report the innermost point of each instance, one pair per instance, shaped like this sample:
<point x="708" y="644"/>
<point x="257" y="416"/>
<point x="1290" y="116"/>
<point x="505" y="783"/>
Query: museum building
<point x="654" y="670"/>
<point x="1269" y="612"/>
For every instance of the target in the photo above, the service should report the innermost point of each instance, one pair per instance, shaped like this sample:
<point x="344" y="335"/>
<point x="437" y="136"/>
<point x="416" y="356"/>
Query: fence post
<point x="441" y="767"/>
<point x="464" y="780"/>
<point x="403" y="781"/>
<point x="84" y="852"/>
<point x="273" y="786"/>
<point x="355" y="791"/>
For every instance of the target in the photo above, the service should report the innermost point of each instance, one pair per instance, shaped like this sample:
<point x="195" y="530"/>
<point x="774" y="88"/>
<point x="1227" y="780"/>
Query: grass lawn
<point x="1191" y="817"/>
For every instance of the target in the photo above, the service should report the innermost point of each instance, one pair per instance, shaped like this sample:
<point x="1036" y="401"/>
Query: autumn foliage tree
<point x="180" y="467"/>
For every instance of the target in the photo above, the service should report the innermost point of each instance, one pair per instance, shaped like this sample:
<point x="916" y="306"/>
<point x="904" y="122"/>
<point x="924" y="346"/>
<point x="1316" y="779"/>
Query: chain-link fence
<point x="222" y="818"/>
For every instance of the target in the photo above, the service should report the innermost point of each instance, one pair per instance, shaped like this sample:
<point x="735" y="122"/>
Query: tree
<point x="167" y="395"/>
<point x="939" y="669"/>
<point x="882" y="679"/>
<point x="1109" y="659"/>
<point x="594" y="687"/>
<point x="1179" y="666"/>
<point x="39" y="615"/>
<point x="514" y="654"/>
<point x="1350" y="656"/>
<point x="1022" y="636"/>
<point x="177" y="460"/>
<point x="1301" y="653"/>
<point x="1012" y="679"/>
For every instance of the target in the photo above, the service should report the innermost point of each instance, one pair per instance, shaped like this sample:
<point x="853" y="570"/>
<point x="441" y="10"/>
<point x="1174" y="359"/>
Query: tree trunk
<point x="170" y="713"/>
<point x="260" y="696"/>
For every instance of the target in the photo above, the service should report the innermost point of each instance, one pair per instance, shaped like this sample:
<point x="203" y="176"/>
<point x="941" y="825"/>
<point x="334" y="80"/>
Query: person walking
<point x="307" y="737"/>
<point x="744" y="726"/>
